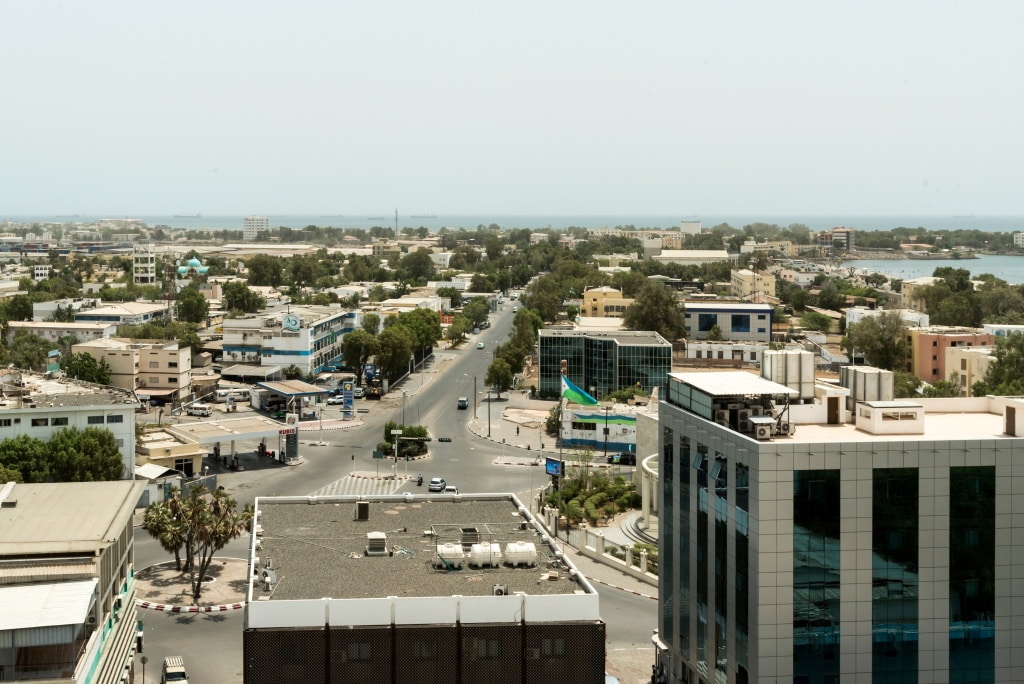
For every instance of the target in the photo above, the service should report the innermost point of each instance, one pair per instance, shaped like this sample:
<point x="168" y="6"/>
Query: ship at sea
<point x="376" y="218"/>
<point x="429" y="216"/>
<point x="197" y="215"/>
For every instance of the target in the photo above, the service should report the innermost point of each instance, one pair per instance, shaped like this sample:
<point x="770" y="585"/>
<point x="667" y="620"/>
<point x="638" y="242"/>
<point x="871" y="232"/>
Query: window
<point x="359" y="652"/>
<point x="118" y="418"/>
<point x="40" y="422"/>
<point x="172" y="381"/>
<point x="706" y="322"/>
<point x="741" y="323"/>
<point x="963" y="364"/>
<point x="154" y="364"/>
<point x="172" y="364"/>
<point x="5" y="422"/>
<point x="63" y="420"/>
<point x="119" y="443"/>
<point x="972" y="537"/>
<point x="95" y="420"/>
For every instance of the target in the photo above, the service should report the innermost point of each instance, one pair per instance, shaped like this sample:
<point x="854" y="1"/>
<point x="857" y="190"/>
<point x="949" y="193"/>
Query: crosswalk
<point x="350" y="486"/>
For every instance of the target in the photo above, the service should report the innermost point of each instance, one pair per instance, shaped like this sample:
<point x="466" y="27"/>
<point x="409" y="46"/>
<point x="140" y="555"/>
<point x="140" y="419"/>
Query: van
<point x="173" y="670"/>
<point x="199" y="410"/>
<point x="463" y="403"/>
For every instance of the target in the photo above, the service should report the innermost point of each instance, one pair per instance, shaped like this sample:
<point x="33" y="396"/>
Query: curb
<point x="615" y="586"/>
<point x="164" y="608"/>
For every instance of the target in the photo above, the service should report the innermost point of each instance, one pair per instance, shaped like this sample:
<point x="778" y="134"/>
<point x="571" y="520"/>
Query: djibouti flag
<point x="575" y="394"/>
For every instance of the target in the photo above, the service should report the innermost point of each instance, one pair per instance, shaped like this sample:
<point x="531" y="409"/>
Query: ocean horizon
<point x="435" y="222"/>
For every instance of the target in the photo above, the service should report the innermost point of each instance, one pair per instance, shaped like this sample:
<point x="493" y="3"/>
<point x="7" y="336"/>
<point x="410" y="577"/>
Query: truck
<point x="173" y="670"/>
<point x="372" y="380"/>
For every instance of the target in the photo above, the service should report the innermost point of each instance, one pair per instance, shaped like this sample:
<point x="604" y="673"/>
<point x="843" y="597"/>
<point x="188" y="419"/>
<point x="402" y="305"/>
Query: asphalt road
<point x="212" y="643"/>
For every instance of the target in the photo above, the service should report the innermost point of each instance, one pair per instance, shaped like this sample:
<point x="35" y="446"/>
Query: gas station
<point x="282" y="436"/>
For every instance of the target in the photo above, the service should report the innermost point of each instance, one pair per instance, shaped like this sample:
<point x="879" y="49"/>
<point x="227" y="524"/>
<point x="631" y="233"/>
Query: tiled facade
<point x="830" y="556"/>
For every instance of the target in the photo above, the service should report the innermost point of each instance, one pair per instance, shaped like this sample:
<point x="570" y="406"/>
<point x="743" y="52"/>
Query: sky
<point x="567" y="107"/>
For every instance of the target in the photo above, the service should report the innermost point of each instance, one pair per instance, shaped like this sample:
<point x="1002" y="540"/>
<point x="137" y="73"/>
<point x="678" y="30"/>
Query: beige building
<point x="144" y="265"/>
<point x="604" y="302"/>
<point x="751" y="285"/>
<point x="53" y="331"/>
<point x="388" y="250"/>
<point x="968" y="365"/>
<point x="162" y="449"/>
<point x="154" y="369"/>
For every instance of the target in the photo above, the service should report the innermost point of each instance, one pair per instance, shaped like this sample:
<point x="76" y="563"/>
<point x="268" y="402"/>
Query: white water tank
<point x="450" y="555"/>
<point x="485" y="555"/>
<point x="791" y="367"/>
<point x="521" y="553"/>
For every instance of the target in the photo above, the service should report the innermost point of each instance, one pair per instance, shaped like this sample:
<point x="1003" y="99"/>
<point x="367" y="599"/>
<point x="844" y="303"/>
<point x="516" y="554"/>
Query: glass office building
<point x="603" y="362"/>
<point x="872" y="545"/>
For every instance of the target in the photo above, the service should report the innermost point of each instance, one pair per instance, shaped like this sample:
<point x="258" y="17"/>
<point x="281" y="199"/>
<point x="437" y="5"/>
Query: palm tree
<point x="217" y="522"/>
<point x="162" y="524"/>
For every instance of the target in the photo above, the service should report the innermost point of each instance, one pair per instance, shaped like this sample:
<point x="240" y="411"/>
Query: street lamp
<point x="488" y="414"/>
<point x="403" y="408"/>
<point x="606" y="410"/>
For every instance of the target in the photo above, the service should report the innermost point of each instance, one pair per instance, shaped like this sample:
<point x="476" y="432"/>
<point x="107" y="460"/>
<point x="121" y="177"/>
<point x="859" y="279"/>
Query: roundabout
<point x="162" y="587"/>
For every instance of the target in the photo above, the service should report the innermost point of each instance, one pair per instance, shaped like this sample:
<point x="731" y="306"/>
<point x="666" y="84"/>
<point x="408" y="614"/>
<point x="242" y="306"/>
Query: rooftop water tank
<point x="450" y="555"/>
<point x="521" y="553"/>
<point x="484" y="555"/>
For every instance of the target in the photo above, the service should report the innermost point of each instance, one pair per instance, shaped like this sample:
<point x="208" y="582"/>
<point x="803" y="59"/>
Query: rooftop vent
<point x="362" y="510"/>
<point x="470" y="536"/>
<point x="376" y="544"/>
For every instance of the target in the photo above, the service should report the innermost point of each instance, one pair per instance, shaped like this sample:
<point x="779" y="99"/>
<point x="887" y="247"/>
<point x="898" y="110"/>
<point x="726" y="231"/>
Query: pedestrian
<point x="517" y="429"/>
<point x="353" y="457"/>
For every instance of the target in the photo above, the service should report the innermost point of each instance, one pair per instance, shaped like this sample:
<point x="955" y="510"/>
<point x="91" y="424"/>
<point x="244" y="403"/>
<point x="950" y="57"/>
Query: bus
<point x="237" y="394"/>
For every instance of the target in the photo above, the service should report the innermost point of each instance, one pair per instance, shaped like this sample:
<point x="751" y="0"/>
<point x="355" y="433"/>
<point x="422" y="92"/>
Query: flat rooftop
<point x="938" y="427"/>
<point x="317" y="550"/>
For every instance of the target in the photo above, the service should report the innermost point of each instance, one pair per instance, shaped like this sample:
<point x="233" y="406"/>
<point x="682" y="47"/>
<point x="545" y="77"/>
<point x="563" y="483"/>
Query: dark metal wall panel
<point x="361" y="655"/>
<point x="284" y="656"/>
<point x="427" y="655"/>
<point x="564" y="653"/>
<point x="492" y="654"/>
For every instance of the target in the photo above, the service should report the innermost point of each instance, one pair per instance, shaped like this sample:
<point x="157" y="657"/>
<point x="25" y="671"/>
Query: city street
<point x="212" y="643"/>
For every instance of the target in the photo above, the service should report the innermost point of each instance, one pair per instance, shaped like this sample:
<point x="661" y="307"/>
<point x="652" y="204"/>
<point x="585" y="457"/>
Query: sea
<point x="1005" y="267"/>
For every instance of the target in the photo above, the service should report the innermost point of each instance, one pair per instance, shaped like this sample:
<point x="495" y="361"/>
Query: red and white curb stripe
<point x="161" y="607"/>
<point x="615" y="586"/>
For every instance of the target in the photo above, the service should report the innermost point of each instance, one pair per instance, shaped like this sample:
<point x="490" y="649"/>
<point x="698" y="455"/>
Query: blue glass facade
<point x="603" y="363"/>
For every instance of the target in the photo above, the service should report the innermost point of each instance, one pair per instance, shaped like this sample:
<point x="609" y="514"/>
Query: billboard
<point x="554" y="466"/>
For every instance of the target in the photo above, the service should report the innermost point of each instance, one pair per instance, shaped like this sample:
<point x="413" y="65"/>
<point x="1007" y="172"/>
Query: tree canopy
<point x="882" y="339"/>
<point x="656" y="308"/>
<point x="71" y="455"/>
<point x="1005" y="374"/>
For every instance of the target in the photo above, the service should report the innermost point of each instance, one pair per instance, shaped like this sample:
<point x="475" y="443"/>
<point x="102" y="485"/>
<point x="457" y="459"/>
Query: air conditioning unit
<point x="91" y="620"/>
<point x="770" y="413"/>
<point x="785" y="429"/>
<point x="499" y="590"/>
<point x="721" y="417"/>
<point x="756" y="410"/>
<point x="763" y="432"/>
<point x="744" y="414"/>
<point x="744" y="425"/>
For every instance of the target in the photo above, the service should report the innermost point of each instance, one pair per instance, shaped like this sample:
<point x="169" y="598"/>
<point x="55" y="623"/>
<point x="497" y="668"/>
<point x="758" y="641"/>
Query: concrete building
<point x="751" y="285"/>
<point x="53" y="331"/>
<point x="692" y="257"/>
<point x="910" y="318"/>
<point x="386" y="601"/>
<point x="42" y="311"/>
<point x="40" y="272"/>
<point x="1018" y="239"/>
<point x="783" y="247"/>
<point x="726" y="353"/>
<point x="126" y="313"/>
<point x="928" y="348"/>
<point x="153" y="369"/>
<point x="1002" y="329"/>
<point x="253" y="225"/>
<point x="831" y="545"/>
<point x="738" y="322"/>
<point x="144" y="269"/>
<point x="968" y="365"/>
<point x="38" y="406"/>
<point x="308" y="337"/>
<point x="68" y="593"/>
<point x="602" y="362"/>
<point x="386" y="250"/>
<point x="604" y="302"/>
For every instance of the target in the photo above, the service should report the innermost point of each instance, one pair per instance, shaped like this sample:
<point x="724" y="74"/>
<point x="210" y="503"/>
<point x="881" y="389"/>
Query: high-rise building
<point x="251" y="225"/>
<point x="805" y="541"/>
<point x="144" y="265"/>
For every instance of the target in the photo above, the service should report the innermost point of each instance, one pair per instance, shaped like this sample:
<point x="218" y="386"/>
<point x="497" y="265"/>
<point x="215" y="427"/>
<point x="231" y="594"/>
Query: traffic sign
<point x="378" y="454"/>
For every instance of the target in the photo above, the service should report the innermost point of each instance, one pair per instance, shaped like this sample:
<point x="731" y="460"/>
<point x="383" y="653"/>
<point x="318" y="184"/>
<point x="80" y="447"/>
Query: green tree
<point x="815" y="320"/>
<point x="28" y="456"/>
<point x="161" y="522"/>
<point x="458" y="329"/>
<point x="656" y="308"/>
<point x="292" y="372"/>
<point x="476" y="310"/>
<point x="238" y="297"/>
<point x="265" y="270"/>
<point x="1005" y="374"/>
<point x="192" y="305"/>
<point x="715" y="334"/>
<point x="356" y="348"/>
<point x="28" y="350"/>
<point x="942" y="388"/>
<point x="454" y="295"/>
<point x="18" y="308"/>
<point x="371" y="323"/>
<point x="416" y="266"/>
<point x="882" y="339"/>
<point x="89" y="455"/>
<point x="84" y="366"/>
<point x="499" y="376"/>
<point x="425" y="325"/>
<point x="396" y="346"/>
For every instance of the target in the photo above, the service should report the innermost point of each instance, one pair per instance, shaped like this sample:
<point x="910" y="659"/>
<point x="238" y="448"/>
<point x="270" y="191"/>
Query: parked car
<point x="199" y="410"/>
<point x="624" y="458"/>
<point x="479" y="345"/>
<point x="335" y="400"/>
<point x="451" y="489"/>
<point x="358" y="392"/>
<point x="437" y="484"/>
<point x="463" y="403"/>
<point x="173" y="670"/>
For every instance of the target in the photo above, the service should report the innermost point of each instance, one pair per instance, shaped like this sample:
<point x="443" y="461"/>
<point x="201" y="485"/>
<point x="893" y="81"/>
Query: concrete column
<point x="643" y="560"/>
<point x="645" y="500"/>
<point x="599" y="543"/>
<point x="629" y="557"/>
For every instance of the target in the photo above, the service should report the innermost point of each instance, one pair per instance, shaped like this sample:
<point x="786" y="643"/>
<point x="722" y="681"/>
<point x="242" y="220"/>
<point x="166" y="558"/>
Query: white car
<point x="336" y="399"/>
<point x="437" y="484"/>
<point x="451" y="489"/>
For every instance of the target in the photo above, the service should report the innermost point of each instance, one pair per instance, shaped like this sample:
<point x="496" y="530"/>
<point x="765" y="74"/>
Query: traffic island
<point x="164" y="588"/>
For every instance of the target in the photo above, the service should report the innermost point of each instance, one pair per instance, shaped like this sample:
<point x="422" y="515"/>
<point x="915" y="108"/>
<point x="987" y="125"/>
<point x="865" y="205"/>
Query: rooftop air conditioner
<point x="499" y="590"/>
<point x="721" y="416"/>
<point x="785" y="429"/>
<point x="763" y="432"/>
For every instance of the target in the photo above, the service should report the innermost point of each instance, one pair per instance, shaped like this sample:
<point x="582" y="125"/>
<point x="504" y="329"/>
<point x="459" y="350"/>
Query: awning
<point x="46" y="605"/>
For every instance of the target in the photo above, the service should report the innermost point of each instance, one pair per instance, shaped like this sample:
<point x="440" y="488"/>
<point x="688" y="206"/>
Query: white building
<point x="126" y="313"/>
<point x="54" y="331"/>
<point x="692" y="257"/>
<point x="38" y="406"/>
<point x="40" y="272"/>
<point x="910" y="318"/>
<point x="252" y="225"/>
<point x="308" y="337"/>
<point x="42" y="311"/>
<point x="1018" y="239"/>
<point x="749" y="353"/>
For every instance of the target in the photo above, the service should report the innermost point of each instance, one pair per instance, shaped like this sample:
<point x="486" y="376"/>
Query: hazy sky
<point x="556" y="107"/>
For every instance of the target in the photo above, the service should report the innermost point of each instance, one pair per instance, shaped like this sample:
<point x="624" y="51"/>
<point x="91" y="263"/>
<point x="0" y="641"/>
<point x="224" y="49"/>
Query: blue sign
<point x="554" y="466"/>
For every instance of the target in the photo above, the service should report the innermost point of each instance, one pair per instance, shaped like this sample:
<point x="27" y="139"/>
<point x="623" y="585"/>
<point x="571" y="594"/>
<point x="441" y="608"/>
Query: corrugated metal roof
<point x="45" y="572"/>
<point x="150" y="471"/>
<point x="46" y="605"/>
<point x="728" y="383"/>
<point x="292" y="387"/>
